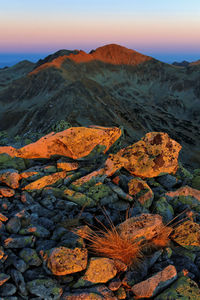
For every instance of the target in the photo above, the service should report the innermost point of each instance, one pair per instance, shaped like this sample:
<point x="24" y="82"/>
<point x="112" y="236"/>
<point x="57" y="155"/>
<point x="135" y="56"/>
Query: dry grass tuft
<point x="109" y="243"/>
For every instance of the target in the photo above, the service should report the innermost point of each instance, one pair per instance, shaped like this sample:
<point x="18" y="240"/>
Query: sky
<point x="168" y="30"/>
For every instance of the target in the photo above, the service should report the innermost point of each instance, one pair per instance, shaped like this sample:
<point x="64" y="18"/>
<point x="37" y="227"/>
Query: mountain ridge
<point x="141" y="97"/>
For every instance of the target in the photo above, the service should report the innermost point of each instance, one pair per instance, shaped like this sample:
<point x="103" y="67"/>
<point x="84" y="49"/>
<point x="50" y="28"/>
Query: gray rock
<point x="36" y="230"/>
<point x="44" y="245"/>
<point x="58" y="233"/>
<point x="120" y="205"/>
<point x="45" y="288"/>
<point x="168" y="181"/>
<point x="163" y="208"/>
<point x="15" y="261"/>
<point x="36" y="273"/>
<point x="19" y="242"/>
<point x="13" y="225"/>
<point x="30" y="257"/>
<point x="19" y="281"/>
<point x="46" y="223"/>
<point x="7" y="289"/>
<point x="2" y="227"/>
<point x="3" y="278"/>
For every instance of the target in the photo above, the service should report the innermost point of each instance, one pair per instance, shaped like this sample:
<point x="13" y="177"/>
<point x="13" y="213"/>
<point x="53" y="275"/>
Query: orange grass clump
<point x="109" y="243"/>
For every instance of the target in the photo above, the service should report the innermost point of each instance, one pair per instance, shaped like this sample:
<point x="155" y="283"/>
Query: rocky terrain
<point x="110" y="86"/>
<point x="83" y="217"/>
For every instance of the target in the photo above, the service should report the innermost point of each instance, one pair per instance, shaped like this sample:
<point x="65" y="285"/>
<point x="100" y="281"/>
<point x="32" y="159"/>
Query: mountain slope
<point x="110" y="86"/>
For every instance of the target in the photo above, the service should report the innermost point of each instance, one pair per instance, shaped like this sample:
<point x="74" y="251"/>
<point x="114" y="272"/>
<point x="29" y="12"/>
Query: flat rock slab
<point x="183" y="288"/>
<point x="45" y="181"/>
<point x="74" y="142"/>
<point x="187" y="235"/>
<point x="154" y="154"/>
<point x="63" y="261"/>
<point x="153" y="285"/>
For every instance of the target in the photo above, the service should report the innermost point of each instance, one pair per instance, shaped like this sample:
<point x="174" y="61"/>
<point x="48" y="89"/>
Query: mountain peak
<point x="111" y="54"/>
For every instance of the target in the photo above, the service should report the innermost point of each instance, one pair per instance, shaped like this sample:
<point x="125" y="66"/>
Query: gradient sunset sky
<point x="167" y="30"/>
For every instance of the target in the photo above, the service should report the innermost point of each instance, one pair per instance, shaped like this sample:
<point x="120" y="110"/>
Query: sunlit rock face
<point x="154" y="154"/>
<point x="75" y="142"/>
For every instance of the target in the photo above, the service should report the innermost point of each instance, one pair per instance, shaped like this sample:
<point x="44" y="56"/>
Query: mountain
<point x="184" y="63"/>
<point x="110" y="86"/>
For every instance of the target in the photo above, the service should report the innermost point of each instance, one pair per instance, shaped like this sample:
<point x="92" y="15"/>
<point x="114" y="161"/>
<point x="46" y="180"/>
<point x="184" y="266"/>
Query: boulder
<point x="74" y="142"/>
<point x="156" y="153"/>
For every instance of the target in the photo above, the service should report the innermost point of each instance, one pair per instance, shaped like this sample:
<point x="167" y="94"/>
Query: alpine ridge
<point x="110" y="86"/>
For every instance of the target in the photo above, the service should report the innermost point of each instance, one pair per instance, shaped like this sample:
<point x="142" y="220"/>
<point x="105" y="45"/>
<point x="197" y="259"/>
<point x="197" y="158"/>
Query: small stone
<point x="3" y="255"/>
<point x="168" y="181"/>
<point x="82" y="295"/>
<point x="17" y="262"/>
<point x="10" y="177"/>
<point x="67" y="166"/>
<point x="30" y="257"/>
<point x="36" y="230"/>
<point x="121" y="293"/>
<point x="114" y="284"/>
<point x="187" y="235"/>
<point x="182" y="288"/>
<point x="3" y="218"/>
<point x="6" y="192"/>
<point x="19" y="242"/>
<point x="7" y="289"/>
<point x="163" y="208"/>
<point x="13" y="225"/>
<point x="156" y="283"/>
<point x="19" y="281"/>
<point x="79" y="198"/>
<point x="63" y="261"/>
<point x="4" y="278"/>
<point x="141" y="191"/>
<point x="2" y="227"/>
<point x="100" y="270"/>
<point x="45" y="288"/>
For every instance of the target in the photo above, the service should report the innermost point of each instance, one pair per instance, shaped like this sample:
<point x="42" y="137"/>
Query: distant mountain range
<point x="110" y="86"/>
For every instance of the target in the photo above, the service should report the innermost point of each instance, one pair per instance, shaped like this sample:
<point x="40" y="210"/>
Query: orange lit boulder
<point x="10" y="177"/>
<point x="154" y="154"/>
<point x="74" y="142"/>
<point x="45" y="181"/>
<point x="142" y="227"/>
<point x="142" y="192"/>
<point x="63" y="261"/>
